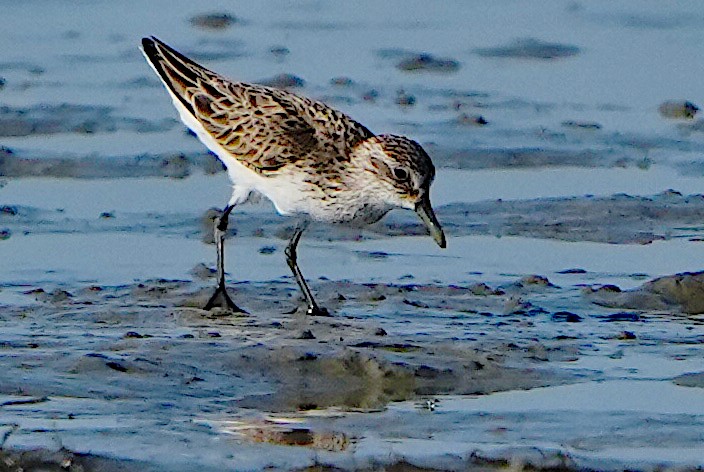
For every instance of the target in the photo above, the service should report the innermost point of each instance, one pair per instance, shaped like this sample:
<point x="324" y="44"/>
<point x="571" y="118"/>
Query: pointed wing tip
<point x="149" y="46"/>
<point x="176" y="71"/>
<point x="157" y="54"/>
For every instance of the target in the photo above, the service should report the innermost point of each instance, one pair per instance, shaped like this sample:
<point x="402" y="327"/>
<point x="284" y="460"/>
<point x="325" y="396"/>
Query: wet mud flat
<point x="463" y="359"/>
<point x="134" y="373"/>
<point x="560" y="330"/>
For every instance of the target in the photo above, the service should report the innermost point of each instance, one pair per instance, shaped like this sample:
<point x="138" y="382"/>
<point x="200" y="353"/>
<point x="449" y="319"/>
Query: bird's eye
<point x="401" y="173"/>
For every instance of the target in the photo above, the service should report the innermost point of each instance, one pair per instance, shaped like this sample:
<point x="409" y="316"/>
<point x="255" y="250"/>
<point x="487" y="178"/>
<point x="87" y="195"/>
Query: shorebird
<point x="311" y="161"/>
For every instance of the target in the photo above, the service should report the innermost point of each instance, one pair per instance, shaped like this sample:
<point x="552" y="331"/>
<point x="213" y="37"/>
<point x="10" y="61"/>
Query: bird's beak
<point x="427" y="215"/>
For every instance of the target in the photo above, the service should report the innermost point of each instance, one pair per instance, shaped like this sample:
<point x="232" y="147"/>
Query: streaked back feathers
<point x="263" y="127"/>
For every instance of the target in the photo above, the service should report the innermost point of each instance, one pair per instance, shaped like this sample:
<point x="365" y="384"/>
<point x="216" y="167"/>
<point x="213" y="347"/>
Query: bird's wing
<point x="262" y="127"/>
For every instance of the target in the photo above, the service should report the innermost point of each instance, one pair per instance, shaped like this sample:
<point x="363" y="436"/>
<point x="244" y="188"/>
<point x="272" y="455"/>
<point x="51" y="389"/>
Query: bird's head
<point x="401" y="172"/>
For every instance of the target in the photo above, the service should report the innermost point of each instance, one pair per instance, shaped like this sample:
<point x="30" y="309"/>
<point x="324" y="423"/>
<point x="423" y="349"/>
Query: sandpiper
<point x="310" y="160"/>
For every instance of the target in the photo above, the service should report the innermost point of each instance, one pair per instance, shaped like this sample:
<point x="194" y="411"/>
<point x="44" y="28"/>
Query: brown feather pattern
<point x="264" y="128"/>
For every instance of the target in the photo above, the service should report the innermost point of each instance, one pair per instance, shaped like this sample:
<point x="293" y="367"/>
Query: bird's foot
<point x="315" y="310"/>
<point x="220" y="299"/>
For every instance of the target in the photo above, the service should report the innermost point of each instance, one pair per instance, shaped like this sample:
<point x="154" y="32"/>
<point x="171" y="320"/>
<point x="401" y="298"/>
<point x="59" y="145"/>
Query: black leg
<point x="291" y="259"/>
<point x="220" y="298"/>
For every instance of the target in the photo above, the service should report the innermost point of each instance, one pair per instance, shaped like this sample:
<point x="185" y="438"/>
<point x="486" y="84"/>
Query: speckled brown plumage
<point x="265" y="128"/>
<point x="310" y="160"/>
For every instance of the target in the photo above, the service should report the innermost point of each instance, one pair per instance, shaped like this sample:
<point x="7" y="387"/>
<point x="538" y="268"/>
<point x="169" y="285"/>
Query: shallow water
<point x="557" y="177"/>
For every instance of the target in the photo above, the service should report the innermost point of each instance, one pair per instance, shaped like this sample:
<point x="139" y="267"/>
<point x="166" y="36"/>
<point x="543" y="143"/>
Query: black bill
<point x="427" y="215"/>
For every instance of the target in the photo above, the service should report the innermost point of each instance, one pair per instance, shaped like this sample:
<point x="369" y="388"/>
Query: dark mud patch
<point x="412" y="61"/>
<point x="214" y="21"/>
<point x="28" y="67"/>
<point x="475" y="158"/>
<point x="471" y="120"/>
<point x="172" y="165"/>
<point x="279" y="52"/>
<point x="575" y="143"/>
<point x="63" y="460"/>
<point x="619" y="219"/>
<point x="404" y="99"/>
<point x="581" y="125"/>
<point x="530" y="48"/>
<point x="425" y="62"/>
<point x="692" y="379"/>
<point x="83" y="119"/>
<point x="679" y="293"/>
<point x="283" y="81"/>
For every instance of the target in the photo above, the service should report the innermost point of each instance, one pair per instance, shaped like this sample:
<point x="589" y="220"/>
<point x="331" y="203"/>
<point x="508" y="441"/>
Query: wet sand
<point x="560" y="330"/>
<point x="141" y="361"/>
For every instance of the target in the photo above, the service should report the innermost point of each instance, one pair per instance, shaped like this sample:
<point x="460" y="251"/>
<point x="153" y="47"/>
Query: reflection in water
<point x="284" y="432"/>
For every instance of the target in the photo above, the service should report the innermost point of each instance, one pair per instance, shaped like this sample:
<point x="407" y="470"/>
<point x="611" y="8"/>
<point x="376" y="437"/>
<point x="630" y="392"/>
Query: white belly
<point x="285" y="191"/>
